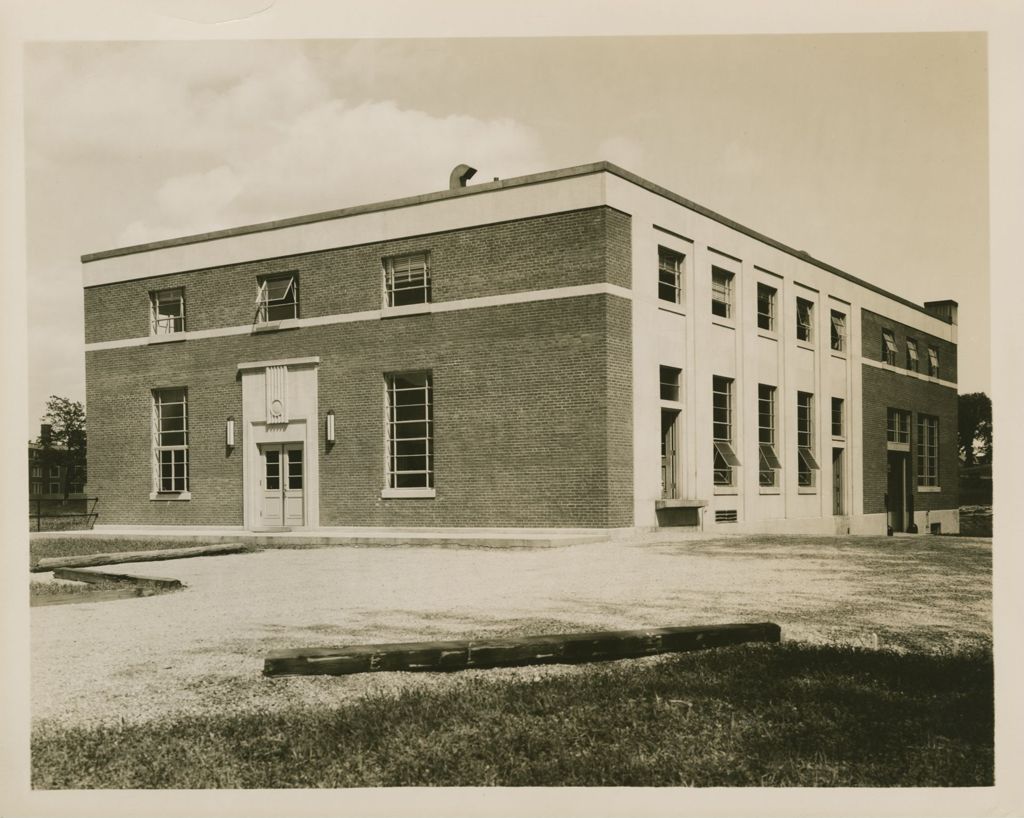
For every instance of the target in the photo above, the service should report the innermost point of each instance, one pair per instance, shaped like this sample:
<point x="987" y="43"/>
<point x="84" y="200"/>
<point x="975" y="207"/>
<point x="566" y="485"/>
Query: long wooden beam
<point x="526" y="650"/>
<point x="83" y="575"/>
<point x="51" y="563"/>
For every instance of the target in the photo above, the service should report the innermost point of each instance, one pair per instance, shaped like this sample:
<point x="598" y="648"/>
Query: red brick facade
<point x="883" y="390"/>
<point x="532" y="402"/>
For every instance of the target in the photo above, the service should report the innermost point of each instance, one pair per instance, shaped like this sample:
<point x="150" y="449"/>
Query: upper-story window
<point x="927" y="450"/>
<point x="838" y="331"/>
<point x="721" y="292"/>
<point x="167" y="311"/>
<point x="277" y="298"/>
<point x="912" y="359"/>
<point x="670" y="275"/>
<point x="889" y="350"/>
<point x="804" y="320"/>
<point x="933" y="362"/>
<point x="406" y="280"/>
<point x="766" y="307"/>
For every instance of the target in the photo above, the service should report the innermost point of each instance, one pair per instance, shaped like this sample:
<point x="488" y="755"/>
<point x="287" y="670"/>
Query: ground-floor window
<point x="927" y="450"/>
<point x="807" y="464"/>
<point x="725" y="459"/>
<point x="769" y="465"/>
<point x="410" y="430"/>
<point x="170" y="440"/>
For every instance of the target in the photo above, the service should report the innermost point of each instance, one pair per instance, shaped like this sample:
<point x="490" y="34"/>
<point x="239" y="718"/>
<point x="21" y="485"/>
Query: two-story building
<point x="573" y="349"/>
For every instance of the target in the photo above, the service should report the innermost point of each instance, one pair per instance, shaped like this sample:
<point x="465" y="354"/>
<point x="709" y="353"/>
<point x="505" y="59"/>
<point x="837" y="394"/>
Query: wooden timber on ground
<point x="526" y="650"/>
<point x="53" y="563"/>
<point x="93" y="596"/>
<point x="83" y="575"/>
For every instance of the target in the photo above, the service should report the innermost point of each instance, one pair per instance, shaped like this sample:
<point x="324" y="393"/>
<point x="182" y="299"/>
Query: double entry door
<point x="281" y="485"/>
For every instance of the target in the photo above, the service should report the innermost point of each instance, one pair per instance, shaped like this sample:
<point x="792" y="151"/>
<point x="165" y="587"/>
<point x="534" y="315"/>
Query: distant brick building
<point x="48" y="476"/>
<point x="579" y="348"/>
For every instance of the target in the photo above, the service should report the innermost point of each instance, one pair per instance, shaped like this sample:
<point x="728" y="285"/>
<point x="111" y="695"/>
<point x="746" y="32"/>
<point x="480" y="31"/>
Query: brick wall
<point x="561" y="250"/>
<point x="872" y="325"/>
<point x="882" y="390"/>
<point x="532" y="417"/>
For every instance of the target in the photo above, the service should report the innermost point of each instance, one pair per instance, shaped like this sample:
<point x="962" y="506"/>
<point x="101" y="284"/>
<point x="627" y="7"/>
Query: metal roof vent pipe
<point x="459" y="176"/>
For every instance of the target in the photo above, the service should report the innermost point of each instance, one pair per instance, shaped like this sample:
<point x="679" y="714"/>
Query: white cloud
<point x="334" y="155"/>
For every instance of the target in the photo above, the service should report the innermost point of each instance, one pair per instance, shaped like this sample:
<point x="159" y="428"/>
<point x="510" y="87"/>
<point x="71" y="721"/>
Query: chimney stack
<point x="943" y="310"/>
<point x="45" y="434"/>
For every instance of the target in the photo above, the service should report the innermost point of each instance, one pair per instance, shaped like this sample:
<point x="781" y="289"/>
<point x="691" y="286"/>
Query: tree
<point x="67" y="442"/>
<point x="974" y="428"/>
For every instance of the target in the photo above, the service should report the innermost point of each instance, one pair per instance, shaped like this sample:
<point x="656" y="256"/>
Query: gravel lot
<point x="202" y="649"/>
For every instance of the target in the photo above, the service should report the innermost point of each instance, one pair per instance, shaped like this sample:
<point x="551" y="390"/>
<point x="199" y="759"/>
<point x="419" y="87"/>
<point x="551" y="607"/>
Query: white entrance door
<point x="281" y="485"/>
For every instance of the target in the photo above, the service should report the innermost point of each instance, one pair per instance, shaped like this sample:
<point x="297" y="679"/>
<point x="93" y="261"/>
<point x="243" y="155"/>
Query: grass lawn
<point x="757" y="715"/>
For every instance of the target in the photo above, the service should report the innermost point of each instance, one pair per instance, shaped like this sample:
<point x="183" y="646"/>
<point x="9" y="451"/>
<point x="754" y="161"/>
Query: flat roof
<point x="501" y="184"/>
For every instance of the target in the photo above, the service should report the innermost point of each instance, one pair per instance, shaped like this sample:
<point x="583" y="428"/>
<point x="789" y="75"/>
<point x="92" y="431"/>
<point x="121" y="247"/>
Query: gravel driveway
<point x="202" y="649"/>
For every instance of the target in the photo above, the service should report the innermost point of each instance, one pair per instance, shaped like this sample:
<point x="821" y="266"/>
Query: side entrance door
<point x="281" y="482"/>
<point x="669" y="469"/>
<point x="837" y="482"/>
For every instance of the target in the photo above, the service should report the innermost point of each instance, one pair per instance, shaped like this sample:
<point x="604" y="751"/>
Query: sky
<point x="868" y="151"/>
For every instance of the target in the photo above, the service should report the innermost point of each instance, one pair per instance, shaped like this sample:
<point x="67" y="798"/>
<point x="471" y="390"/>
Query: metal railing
<point x="78" y="512"/>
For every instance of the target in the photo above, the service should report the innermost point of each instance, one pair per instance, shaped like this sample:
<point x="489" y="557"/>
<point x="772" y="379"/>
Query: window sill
<point x="897" y="447"/>
<point x="275" y="326"/>
<point x="807" y="490"/>
<point x="726" y="490"/>
<point x="413" y="493"/>
<point x="406" y="309"/>
<point x="727" y="323"/>
<point x="669" y="306"/>
<point x="170" y="495"/>
<point x="167" y="339"/>
<point x="806" y="345"/>
<point x="838" y="353"/>
<point x="929" y="489"/>
<point x="838" y="438"/>
<point x="772" y="490"/>
<point x="767" y="334"/>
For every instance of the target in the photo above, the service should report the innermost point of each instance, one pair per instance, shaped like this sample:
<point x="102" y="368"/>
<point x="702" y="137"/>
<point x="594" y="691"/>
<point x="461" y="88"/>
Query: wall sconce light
<point x="330" y="426"/>
<point x="229" y="432"/>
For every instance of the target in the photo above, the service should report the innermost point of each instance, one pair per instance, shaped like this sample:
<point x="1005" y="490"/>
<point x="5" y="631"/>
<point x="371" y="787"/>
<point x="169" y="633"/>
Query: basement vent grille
<point x="725" y="516"/>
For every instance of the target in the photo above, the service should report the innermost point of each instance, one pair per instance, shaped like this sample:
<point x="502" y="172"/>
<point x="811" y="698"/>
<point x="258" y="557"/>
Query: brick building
<point x="572" y="349"/>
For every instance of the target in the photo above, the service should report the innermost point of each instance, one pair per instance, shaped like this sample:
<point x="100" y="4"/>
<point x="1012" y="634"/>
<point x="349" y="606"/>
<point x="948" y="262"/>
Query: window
<point x="37" y="472"/>
<point x="888" y="347"/>
<point x="170" y="440"/>
<point x="670" y="382"/>
<point x="804" y="320"/>
<point x="167" y="311"/>
<point x="36" y="488"/>
<point x="54" y="487"/>
<point x="806" y="463"/>
<point x="837" y="417"/>
<point x="670" y="275"/>
<point x="897" y="426"/>
<point x="933" y="362"/>
<point x="410" y="434"/>
<point x="721" y="292"/>
<point x="55" y="472"/>
<point x="725" y="459"/>
<point x="766" y="307"/>
<point x="277" y="299"/>
<point x="912" y="362"/>
<point x="406" y="280"/>
<point x="768" y="460"/>
<point x="838" y="331"/>
<point x="927" y="450"/>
